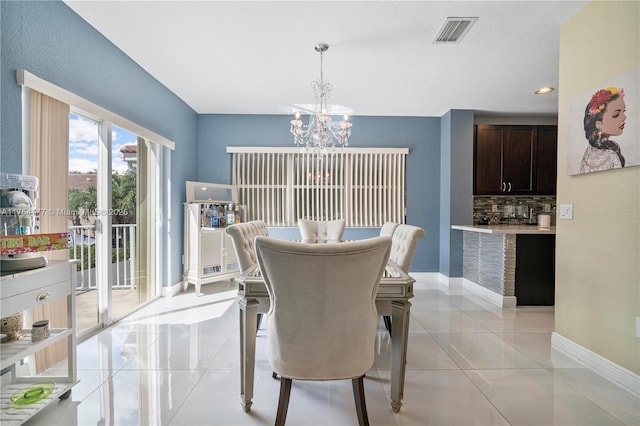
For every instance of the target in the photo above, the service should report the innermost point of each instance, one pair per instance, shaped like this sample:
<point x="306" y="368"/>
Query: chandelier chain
<point x="321" y="52"/>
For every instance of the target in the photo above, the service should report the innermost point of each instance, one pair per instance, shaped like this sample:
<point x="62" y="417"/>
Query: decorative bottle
<point x="231" y="219"/>
<point x="236" y="210"/>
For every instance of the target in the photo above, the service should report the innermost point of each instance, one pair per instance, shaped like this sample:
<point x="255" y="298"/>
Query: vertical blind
<point x="366" y="187"/>
<point x="48" y="161"/>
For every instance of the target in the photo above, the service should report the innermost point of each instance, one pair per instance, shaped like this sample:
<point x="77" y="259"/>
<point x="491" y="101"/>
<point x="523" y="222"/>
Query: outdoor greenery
<point x="82" y="202"/>
<point x="123" y="198"/>
<point x="88" y="255"/>
<point x="83" y="211"/>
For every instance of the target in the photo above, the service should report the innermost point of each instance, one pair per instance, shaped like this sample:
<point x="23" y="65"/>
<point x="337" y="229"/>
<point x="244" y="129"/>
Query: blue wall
<point x="456" y="187"/>
<point x="420" y="134"/>
<point x="51" y="41"/>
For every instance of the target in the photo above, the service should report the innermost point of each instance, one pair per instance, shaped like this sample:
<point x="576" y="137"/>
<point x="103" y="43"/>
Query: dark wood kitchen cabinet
<point x="514" y="160"/>
<point x="546" y="164"/>
<point x="504" y="159"/>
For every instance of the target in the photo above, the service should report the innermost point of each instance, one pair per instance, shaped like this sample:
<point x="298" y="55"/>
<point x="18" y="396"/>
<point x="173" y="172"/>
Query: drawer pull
<point x="43" y="296"/>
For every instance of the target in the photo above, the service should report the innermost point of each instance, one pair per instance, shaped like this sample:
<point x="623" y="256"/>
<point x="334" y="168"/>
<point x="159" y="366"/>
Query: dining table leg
<point x="400" y="311"/>
<point x="248" y="324"/>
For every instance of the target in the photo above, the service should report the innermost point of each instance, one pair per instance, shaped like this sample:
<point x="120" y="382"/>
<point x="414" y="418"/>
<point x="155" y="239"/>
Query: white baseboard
<point x="172" y="290"/>
<point x="616" y="374"/>
<point x="495" y="298"/>
<point x="454" y="283"/>
<point x="424" y="276"/>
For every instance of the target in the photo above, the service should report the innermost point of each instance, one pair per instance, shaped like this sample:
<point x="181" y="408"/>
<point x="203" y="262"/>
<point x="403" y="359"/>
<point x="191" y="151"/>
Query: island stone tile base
<point x="509" y="269"/>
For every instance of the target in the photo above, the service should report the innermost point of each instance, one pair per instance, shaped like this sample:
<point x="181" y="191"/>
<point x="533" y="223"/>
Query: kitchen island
<point x="510" y="264"/>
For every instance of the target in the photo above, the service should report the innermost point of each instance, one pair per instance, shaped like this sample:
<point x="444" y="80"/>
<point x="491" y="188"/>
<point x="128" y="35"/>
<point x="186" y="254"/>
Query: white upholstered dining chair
<point x="403" y="245"/>
<point x="404" y="239"/>
<point x="322" y="320"/>
<point x="243" y="236"/>
<point x="321" y="230"/>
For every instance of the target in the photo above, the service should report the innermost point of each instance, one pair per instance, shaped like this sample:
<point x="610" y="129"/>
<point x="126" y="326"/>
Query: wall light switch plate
<point x="566" y="211"/>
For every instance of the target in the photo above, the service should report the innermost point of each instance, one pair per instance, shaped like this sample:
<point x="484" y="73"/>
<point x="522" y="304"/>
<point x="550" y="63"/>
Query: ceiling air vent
<point x="454" y="29"/>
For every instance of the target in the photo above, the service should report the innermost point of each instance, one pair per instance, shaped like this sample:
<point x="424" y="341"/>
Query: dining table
<point x="396" y="287"/>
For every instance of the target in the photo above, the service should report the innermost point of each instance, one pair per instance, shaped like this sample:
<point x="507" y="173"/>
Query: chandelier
<point x="321" y="135"/>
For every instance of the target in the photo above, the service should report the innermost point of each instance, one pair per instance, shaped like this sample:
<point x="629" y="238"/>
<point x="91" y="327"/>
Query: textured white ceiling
<point x="258" y="57"/>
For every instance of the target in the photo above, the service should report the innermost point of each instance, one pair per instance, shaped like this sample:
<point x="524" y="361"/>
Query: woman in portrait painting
<point x="604" y="117"/>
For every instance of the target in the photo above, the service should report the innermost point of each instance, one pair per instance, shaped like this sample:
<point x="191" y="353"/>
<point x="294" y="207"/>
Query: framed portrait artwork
<point x="604" y="126"/>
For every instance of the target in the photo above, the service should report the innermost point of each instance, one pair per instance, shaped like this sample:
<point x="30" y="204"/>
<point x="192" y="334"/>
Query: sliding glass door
<point x="113" y="193"/>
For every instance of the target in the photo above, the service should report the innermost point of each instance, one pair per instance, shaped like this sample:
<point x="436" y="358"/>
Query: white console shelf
<point x="23" y="291"/>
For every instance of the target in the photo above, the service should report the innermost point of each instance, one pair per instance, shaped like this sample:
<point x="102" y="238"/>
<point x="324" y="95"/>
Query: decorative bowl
<point x="12" y="326"/>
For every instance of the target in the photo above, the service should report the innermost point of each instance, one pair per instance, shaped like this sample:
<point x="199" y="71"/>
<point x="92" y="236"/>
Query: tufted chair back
<point x="404" y="240"/>
<point x="321" y="230"/>
<point x="403" y="245"/>
<point x="322" y="320"/>
<point x="388" y="228"/>
<point x="243" y="236"/>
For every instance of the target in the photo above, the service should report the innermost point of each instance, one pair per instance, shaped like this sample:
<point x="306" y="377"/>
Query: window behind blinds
<point x="366" y="187"/>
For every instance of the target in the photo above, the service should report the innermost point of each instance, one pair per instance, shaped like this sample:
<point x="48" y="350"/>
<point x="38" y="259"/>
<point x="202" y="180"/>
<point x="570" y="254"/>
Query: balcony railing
<point x="123" y="251"/>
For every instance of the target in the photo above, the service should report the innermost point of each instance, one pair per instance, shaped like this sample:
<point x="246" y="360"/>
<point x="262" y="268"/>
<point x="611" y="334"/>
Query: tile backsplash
<point x="513" y="210"/>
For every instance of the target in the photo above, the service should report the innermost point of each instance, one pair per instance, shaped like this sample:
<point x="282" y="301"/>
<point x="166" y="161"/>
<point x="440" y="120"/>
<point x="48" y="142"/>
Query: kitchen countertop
<point x="505" y="229"/>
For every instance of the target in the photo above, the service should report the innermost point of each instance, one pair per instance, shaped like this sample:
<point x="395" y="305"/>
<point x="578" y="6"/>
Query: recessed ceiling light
<point x="544" y="90"/>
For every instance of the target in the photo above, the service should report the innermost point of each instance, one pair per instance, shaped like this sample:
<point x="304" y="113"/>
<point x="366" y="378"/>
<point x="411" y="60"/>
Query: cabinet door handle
<point x="43" y="296"/>
<point x="509" y="187"/>
<point x="504" y="186"/>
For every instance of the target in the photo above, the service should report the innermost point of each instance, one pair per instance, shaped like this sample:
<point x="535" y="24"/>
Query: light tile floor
<point x="123" y="301"/>
<point x="176" y="362"/>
